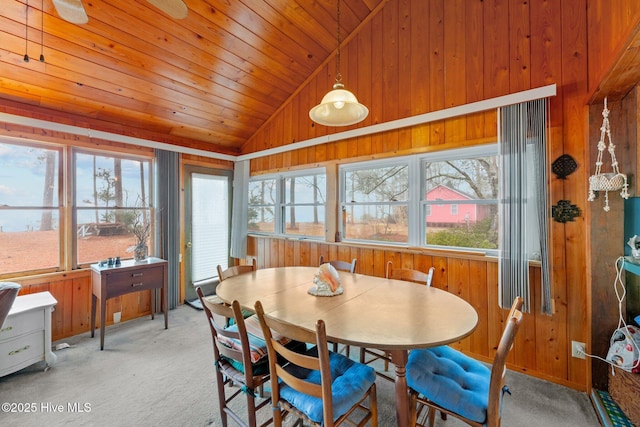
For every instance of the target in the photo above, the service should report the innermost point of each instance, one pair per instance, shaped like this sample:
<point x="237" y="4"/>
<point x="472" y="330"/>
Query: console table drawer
<point x="123" y="282"/>
<point x="21" y="324"/>
<point x="21" y="351"/>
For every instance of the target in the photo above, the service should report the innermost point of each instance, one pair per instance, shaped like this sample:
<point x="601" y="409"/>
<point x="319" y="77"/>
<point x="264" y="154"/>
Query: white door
<point x="207" y="227"/>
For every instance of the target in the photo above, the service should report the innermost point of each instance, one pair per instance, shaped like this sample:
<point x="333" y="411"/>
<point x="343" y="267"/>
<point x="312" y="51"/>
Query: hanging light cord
<point x="41" y="30"/>
<point x="26" y="32"/>
<point x="338" y="74"/>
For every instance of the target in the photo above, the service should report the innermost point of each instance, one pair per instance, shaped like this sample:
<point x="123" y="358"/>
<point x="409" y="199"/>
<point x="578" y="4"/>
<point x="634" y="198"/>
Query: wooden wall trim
<point x="420" y="119"/>
<point x="83" y="132"/>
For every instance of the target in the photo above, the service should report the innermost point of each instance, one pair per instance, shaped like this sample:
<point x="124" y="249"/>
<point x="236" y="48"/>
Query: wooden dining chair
<point x="241" y="364"/>
<point x="349" y="267"/>
<point x="408" y="275"/>
<point x="447" y="380"/>
<point x="234" y="271"/>
<point x="318" y="386"/>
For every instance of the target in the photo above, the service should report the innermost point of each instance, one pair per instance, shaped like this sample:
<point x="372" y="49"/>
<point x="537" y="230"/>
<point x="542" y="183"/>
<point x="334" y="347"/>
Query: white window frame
<point x="485" y="150"/>
<point x="276" y="229"/>
<point x="375" y="164"/>
<point x="417" y="193"/>
<point x="279" y="216"/>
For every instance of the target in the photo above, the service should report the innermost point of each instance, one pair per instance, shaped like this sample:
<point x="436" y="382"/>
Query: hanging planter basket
<point x="609" y="181"/>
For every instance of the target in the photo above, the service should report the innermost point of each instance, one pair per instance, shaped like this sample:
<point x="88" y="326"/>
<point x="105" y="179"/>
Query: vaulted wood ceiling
<point x="212" y="78"/>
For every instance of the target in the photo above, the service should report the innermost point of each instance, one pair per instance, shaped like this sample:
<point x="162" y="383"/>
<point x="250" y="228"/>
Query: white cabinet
<point x="25" y="337"/>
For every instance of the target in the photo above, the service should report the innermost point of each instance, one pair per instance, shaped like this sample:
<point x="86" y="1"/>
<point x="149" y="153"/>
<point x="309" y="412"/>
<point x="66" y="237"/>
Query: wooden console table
<point x="132" y="276"/>
<point x="25" y="337"/>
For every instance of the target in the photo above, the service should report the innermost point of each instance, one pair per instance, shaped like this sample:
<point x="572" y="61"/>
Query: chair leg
<point x="251" y="408"/>
<point x="373" y="406"/>
<point x="221" y="398"/>
<point x="432" y="417"/>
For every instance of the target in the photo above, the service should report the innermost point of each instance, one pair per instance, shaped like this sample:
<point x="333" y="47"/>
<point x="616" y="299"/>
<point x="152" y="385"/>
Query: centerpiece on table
<point x="326" y="282"/>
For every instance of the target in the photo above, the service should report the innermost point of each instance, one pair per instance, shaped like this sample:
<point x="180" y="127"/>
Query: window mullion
<point x="415" y="198"/>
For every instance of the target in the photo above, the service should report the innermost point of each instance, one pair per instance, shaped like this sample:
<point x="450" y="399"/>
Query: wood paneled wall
<point x="72" y="313"/>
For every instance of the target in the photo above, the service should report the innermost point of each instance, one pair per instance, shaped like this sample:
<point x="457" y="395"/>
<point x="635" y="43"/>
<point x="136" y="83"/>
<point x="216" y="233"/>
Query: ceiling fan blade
<point x="174" y="8"/>
<point x="71" y="10"/>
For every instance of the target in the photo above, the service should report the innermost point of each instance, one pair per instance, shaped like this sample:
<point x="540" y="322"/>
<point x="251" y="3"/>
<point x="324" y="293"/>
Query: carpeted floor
<point x="149" y="376"/>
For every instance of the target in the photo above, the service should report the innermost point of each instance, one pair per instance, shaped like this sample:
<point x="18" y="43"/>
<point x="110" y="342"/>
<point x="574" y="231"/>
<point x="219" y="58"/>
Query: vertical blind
<point x="168" y="219"/>
<point x="524" y="233"/>
<point x="210" y="225"/>
<point x="239" y="217"/>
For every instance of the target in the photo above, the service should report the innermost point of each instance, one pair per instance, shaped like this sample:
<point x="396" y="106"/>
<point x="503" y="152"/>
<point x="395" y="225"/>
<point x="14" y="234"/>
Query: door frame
<point x="209" y="288"/>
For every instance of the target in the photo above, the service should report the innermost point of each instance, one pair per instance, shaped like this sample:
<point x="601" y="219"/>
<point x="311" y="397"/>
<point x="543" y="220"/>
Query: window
<point x="461" y="192"/>
<point x="30" y="207"/>
<point x="262" y="205"/>
<point x="111" y="194"/>
<point x="304" y="207"/>
<point x="444" y="199"/>
<point x="291" y="204"/>
<point x="375" y="202"/>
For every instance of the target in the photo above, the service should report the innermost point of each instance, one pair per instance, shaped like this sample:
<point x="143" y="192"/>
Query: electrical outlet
<point x="578" y="349"/>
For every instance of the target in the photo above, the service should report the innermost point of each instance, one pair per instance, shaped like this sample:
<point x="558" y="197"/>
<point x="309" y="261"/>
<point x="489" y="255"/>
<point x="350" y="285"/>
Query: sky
<point x="22" y="179"/>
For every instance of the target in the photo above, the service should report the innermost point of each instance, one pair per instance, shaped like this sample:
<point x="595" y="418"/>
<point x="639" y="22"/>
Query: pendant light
<point x="339" y="107"/>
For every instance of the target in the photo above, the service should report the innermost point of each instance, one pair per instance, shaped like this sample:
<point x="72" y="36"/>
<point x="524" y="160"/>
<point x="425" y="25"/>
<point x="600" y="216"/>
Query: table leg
<point x="93" y="314"/>
<point x="103" y="318"/>
<point x="399" y="359"/>
<point x="153" y="294"/>
<point x="165" y="305"/>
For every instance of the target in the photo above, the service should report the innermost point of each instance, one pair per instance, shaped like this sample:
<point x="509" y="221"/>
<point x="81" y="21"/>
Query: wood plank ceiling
<point x="210" y="80"/>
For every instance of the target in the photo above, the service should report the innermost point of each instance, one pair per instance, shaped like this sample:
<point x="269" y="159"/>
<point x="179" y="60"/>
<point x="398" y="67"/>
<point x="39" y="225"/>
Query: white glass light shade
<point x="339" y="108"/>
<point x="71" y="10"/>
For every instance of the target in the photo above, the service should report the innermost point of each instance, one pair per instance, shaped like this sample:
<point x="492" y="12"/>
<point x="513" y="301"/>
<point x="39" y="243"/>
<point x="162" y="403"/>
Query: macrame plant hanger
<point x="610" y="181"/>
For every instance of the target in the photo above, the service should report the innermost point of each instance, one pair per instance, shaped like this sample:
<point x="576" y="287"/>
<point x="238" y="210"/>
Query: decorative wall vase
<point x="564" y="166"/>
<point x="140" y="252"/>
<point x="564" y="211"/>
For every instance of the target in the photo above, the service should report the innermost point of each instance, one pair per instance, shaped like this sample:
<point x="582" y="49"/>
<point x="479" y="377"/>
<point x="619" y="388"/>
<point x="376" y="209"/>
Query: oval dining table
<point x="372" y="312"/>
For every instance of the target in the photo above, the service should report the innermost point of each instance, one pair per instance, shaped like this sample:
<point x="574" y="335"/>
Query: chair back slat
<point x="341" y="265"/>
<point x="408" y="274"/>
<point x="235" y="270"/>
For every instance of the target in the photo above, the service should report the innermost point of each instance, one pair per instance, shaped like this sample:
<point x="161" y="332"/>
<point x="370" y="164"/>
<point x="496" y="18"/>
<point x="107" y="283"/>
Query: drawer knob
<point x="7" y="329"/>
<point x="137" y="274"/>
<point x="26" y="347"/>
<point x="135" y="285"/>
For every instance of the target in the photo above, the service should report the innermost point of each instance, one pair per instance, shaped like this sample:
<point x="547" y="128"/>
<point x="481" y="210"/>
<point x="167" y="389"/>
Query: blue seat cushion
<point x="450" y="379"/>
<point x="351" y="380"/>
